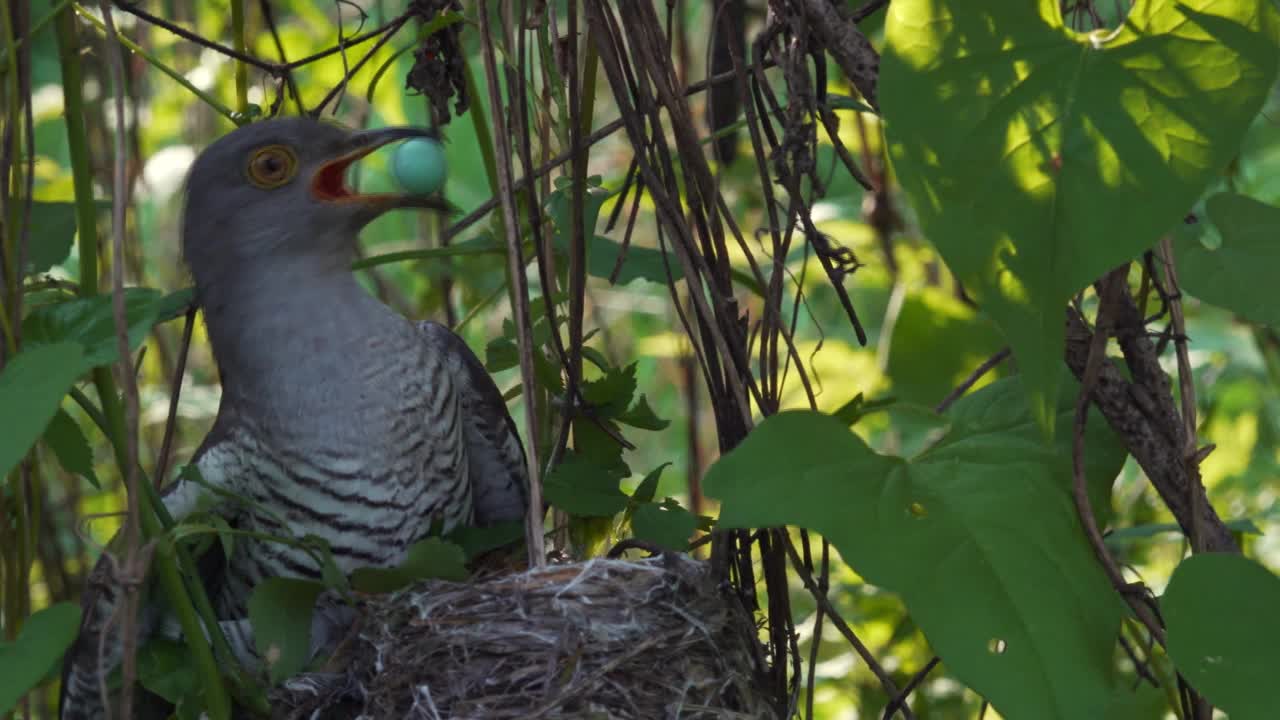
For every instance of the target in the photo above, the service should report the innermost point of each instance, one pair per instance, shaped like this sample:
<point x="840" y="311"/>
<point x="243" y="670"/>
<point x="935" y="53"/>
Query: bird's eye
<point x="272" y="166"/>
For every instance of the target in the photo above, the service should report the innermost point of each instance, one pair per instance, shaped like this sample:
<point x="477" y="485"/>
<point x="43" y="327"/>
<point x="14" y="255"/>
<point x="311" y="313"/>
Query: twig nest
<point x="640" y="640"/>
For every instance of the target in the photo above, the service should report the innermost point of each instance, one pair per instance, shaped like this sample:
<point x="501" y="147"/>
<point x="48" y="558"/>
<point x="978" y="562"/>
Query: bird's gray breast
<point x="363" y="447"/>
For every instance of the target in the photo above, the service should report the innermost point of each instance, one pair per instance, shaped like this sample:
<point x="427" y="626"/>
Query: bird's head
<point x="274" y="194"/>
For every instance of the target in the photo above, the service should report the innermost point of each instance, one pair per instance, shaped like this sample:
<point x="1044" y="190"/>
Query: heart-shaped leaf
<point x="25" y="662"/>
<point x="1038" y="158"/>
<point x="1224" y="634"/>
<point x="978" y="534"/>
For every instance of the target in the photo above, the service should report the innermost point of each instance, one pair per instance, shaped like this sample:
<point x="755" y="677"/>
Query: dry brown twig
<point x="1186" y="390"/>
<point x="1109" y="288"/>
<point x="520" y="289"/>
<point x="1141" y="411"/>
<point x="134" y="565"/>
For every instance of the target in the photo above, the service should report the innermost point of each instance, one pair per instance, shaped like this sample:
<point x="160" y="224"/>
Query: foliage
<point x="948" y="505"/>
<point x="977" y="534"/>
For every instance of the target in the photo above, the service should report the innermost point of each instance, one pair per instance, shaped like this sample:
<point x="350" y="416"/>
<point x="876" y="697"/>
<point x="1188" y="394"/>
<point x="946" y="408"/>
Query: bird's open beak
<point x="329" y="183"/>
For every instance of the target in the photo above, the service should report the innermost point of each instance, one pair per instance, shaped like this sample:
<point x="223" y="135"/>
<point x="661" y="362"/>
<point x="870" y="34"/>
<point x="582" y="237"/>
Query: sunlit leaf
<point x="1038" y="158"/>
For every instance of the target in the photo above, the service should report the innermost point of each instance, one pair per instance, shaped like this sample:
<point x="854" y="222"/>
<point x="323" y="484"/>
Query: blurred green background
<point x="923" y="338"/>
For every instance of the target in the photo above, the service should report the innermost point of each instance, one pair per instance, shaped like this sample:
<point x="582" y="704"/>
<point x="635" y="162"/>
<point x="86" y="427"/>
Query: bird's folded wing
<point x="499" y="476"/>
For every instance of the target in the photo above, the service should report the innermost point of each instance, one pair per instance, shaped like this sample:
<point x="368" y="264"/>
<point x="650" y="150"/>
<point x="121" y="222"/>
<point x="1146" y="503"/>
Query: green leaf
<point x="89" y="321"/>
<point x="70" y="446"/>
<point x="639" y="263"/>
<point x="226" y="536"/>
<point x="1037" y="158"/>
<point x="994" y="420"/>
<point x="1224" y="634"/>
<point x="476" y="541"/>
<point x="670" y="527"/>
<point x="581" y="487"/>
<point x="978" y="535"/>
<point x="501" y="354"/>
<point x="1124" y="536"/>
<point x="611" y="394"/>
<point x="642" y="416"/>
<point x="45" y="636"/>
<point x="1144" y="703"/>
<point x="53" y="229"/>
<point x="175" y="304"/>
<point x="594" y="356"/>
<point x="602" y="253"/>
<point x="858" y="407"/>
<point x="431" y="558"/>
<point x="165" y="667"/>
<point x="560" y="205"/>
<point x="280" y="611"/>
<point x="937" y="342"/>
<point x="844" y="102"/>
<point x="1240" y="274"/>
<point x="648" y="487"/>
<point x="31" y="387"/>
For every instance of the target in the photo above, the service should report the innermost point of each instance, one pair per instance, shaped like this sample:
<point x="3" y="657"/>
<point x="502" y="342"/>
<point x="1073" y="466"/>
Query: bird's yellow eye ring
<point x="272" y="166"/>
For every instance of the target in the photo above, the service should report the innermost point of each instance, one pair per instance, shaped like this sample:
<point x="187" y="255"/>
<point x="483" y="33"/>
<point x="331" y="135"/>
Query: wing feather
<point x="499" y="475"/>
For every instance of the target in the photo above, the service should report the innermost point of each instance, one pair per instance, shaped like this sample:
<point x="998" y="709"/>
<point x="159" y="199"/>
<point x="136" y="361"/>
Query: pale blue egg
<point x="419" y="166"/>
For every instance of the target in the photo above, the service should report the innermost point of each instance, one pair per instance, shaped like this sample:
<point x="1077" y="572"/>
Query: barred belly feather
<point x="369" y="508"/>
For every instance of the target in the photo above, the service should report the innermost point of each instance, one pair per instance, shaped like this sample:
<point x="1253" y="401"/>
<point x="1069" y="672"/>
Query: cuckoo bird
<point x="339" y="418"/>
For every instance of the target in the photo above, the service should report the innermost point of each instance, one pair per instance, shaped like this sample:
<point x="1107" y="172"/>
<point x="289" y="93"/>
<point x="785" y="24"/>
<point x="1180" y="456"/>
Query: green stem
<point x="81" y="161"/>
<point x="429" y="254"/>
<point x="591" y="63"/>
<point x="481" y="124"/>
<point x="35" y="28"/>
<point x="13" y="118"/>
<point x="242" y="72"/>
<point x="111" y="418"/>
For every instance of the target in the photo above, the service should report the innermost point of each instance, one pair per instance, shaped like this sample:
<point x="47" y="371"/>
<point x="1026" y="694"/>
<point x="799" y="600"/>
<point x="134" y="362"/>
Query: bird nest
<point x="646" y="639"/>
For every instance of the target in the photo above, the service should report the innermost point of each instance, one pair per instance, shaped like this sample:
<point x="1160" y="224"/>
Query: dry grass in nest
<point x="642" y="640"/>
